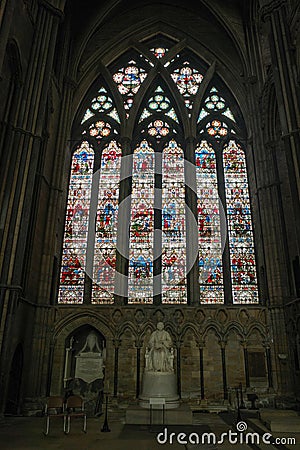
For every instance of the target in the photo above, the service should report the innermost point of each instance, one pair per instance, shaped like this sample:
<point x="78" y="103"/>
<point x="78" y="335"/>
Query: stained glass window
<point x="100" y="129"/>
<point x="140" y="282"/>
<point x="187" y="80"/>
<point x="129" y="80"/>
<point x="76" y="226"/>
<point x="215" y="103"/>
<point x="173" y="225"/>
<point x="159" y="103"/>
<point x="210" y="246"/>
<point x="158" y="129"/>
<point x="241" y="245"/>
<point x="159" y="52"/>
<point x="158" y="181"/>
<point x="106" y="225"/>
<point x="217" y="129"/>
<point x="102" y="103"/>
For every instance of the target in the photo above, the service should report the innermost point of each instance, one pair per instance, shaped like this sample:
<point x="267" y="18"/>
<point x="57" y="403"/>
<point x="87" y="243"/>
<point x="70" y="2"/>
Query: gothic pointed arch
<point x="155" y="95"/>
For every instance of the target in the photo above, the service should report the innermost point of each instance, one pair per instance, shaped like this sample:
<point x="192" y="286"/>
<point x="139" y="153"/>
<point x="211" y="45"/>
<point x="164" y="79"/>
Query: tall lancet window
<point x="173" y="225"/>
<point x="241" y="245"/>
<point x="106" y="224"/>
<point x="210" y="245"/>
<point x="140" y="282"/>
<point x="73" y="265"/>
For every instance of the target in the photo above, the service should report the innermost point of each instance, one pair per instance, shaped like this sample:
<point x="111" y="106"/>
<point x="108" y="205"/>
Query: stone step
<point x="280" y="420"/>
<point x="284" y="424"/>
<point x="209" y="408"/>
<point x="178" y="416"/>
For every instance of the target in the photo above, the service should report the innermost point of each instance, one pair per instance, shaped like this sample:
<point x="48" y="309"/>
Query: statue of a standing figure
<point x="161" y="354"/>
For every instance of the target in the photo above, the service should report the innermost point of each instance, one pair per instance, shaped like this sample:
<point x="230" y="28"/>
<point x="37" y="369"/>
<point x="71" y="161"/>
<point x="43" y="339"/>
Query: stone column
<point x="122" y="252"/>
<point x="201" y="365"/>
<point x="138" y="346"/>
<point x="178" y="366"/>
<point x="192" y="237"/>
<point x="224" y="373"/>
<point x="27" y="141"/>
<point x="116" y="343"/>
<point x="246" y="363"/>
<point x="269" y="367"/>
<point x="6" y="15"/>
<point x="56" y="201"/>
<point x="284" y="69"/>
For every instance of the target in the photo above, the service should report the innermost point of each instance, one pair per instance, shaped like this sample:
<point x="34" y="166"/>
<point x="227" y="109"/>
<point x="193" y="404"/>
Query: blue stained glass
<point x="173" y="226"/>
<point x="76" y="226"/>
<point x="210" y="248"/>
<point x="106" y="225"/>
<point x="140" y="283"/>
<point x="241" y="244"/>
<point x="128" y="80"/>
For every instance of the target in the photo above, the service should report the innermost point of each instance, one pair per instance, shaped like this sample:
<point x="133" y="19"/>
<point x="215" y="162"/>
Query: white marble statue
<point x="159" y="355"/>
<point x="91" y="344"/>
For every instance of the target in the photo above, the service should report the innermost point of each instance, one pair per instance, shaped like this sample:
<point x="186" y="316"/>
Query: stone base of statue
<point x="158" y="385"/>
<point x="136" y="415"/>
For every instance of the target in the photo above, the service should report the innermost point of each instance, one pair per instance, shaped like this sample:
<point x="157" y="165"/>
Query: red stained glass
<point x="76" y="226"/>
<point x="241" y="244"/>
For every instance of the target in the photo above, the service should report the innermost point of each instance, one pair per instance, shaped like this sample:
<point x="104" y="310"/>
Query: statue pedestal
<point x="159" y="385"/>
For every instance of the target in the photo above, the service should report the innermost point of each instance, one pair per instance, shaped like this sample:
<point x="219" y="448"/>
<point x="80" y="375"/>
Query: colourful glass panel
<point x="106" y="225"/>
<point x="159" y="52"/>
<point x="100" y="129"/>
<point x="173" y="226"/>
<point x="217" y="129"/>
<point x="102" y="103"/>
<point x="159" y="103"/>
<point x="88" y="114"/>
<point x="158" y="129"/>
<point x="215" y="103"/>
<point x="187" y="80"/>
<point x="241" y="245"/>
<point x="210" y="247"/>
<point x="128" y="80"/>
<point x="140" y="283"/>
<point x="76" y="226"/>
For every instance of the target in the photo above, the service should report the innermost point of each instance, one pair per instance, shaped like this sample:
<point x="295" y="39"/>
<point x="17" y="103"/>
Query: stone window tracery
<point x="157" y="236"/>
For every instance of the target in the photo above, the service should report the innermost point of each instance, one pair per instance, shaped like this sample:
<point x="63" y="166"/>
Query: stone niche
<point x="85" y="355"/>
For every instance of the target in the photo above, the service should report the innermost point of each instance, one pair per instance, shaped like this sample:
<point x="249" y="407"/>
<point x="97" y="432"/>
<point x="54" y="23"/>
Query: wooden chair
<point x="75" y="408"/>
<point x="55" y="407"/>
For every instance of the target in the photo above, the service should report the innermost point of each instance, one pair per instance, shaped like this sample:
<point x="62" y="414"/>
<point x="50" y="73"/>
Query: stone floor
<point x="20" y="433"/>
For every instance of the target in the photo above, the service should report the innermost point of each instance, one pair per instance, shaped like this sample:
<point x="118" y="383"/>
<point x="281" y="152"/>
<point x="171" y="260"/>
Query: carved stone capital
<point x="268" y="7"/>
<point x="116" y="342"/>
<point x="222" y="343"/>
<point x="200" y="343"/>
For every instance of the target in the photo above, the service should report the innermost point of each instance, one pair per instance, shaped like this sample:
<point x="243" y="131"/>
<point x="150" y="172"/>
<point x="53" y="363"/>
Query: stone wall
<point x="216" y="332"/>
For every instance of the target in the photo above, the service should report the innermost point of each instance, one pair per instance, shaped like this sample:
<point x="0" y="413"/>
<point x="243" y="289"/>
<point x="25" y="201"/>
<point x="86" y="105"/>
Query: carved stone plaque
<point x="89" y="366"/>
